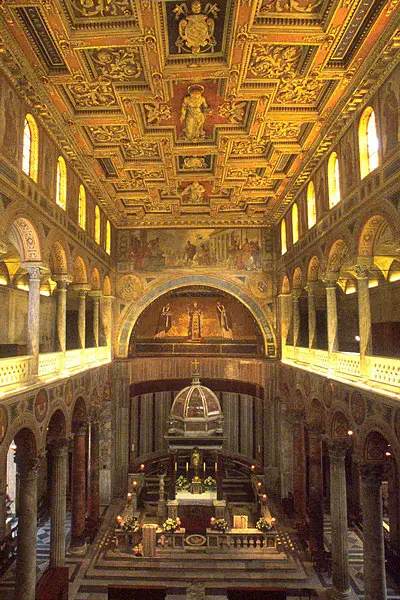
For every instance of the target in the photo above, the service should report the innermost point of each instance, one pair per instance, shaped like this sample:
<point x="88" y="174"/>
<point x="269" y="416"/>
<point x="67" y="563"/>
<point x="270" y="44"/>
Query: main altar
<point x="191" y="508"/>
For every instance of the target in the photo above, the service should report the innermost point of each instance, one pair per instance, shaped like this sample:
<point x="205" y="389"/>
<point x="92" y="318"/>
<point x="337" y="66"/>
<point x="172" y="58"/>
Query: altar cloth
<point x="205" y="499"/>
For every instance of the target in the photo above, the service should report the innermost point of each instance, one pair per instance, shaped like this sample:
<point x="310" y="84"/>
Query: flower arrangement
<point x="209" y="484"/>
<point x="182" y="483"/>
<point x="221" y="525"/>
<point x="263" y="525"/>
<point x="130" y="524"/>
<point x="171" y="525"/>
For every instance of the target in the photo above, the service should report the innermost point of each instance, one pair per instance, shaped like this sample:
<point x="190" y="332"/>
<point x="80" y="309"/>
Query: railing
<point x="19" y="371"/>
<point x="370" y="370"/>
<point x="15" y="371"/>
<point x="250" y="540"/>
<point x="384" y="370"/>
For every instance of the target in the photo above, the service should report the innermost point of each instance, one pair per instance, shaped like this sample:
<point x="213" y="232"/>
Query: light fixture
<point x="350" y="432"/>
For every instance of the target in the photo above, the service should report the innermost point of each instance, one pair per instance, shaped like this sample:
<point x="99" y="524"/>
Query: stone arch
<point x="297" y="279"/>
<point x="313" y="269"/>
<point x="24" y="235"/>
<point x="316" y="415"/>
<point x="57" y="253"/>
<point x="370" y="232"/>
<point x="339" y="426"/>
<point x="338" y="254"/>
<point x="24" y="431"/>
<point x="298" y="400"/>
<point x="79" y="412"/>
<point x="95" y="280"/>
<point x="133" y="311"/>
<point x="285" y="287"/>
<point x="107" y="289"/>
<point x="57" y="424"/>
<point x="381" y="430"/>
<point x="80" y="270"/>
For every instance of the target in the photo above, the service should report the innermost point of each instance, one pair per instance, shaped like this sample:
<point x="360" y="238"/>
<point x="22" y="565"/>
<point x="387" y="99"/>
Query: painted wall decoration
<point x="196" y="321"/>
<point x="155" y="250"/>
<point x="390" y="104"/>
<point x="41" y="405"/>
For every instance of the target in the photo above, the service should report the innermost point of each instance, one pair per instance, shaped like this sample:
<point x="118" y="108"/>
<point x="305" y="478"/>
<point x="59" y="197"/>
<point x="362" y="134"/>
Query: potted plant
<point x="182" y="484"/>
<point x="171" y="525"/>
<point x="221" y="525"/>
<point x="263" y="525"/>
<point x="209" y="484"/>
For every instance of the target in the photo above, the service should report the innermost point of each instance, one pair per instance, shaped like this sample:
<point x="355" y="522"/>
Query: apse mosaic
<point x="199" y="321"/>
<point x="156" y="250"/>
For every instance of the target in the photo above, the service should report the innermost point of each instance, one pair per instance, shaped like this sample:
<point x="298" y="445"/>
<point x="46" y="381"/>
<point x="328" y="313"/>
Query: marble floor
<point x="195" y="573"/>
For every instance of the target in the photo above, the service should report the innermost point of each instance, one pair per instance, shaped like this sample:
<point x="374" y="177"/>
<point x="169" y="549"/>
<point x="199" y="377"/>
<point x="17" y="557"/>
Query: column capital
<point x="361" y="271"/>
<point x="311" y="287"/>
<point x="59" y="447"/>
<point x="371" y="473"/>
<point x="330" y="279"/>
<point x="315" y="429"/>
<point x="63" y="281"/>
<point x="28" y="468"/>
<point x="80" y="428"/>
<point x="296" y="416"/>
<point x="95" y="294"/>
<point x="34" y="270"/>
<point x="338" y="448"/>
<point x="296" y="293"/>
<point x="81" y="288"/>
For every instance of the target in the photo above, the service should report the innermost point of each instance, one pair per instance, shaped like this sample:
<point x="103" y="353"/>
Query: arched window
<point x="283" y="237"/>
<point x="333" y="180"/>
<point x="30" y="148"/>
<point x="108" y="237"/>
<point x="82" y="207"/>
<point x="295" y="223"/>
<point x="97" y="224"/>
<point x="311" y="209"/>
<point x="61" y="183"/>
<point x="368" y="142"/>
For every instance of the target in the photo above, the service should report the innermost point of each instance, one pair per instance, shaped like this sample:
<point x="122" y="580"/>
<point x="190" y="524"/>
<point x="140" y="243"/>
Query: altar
<point x="186" y="498"/>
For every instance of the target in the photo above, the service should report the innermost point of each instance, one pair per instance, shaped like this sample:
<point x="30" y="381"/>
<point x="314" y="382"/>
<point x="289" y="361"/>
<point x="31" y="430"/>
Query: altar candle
<point x="187" y="467"/>
<point x="215" y="467"/>
<point x="129" y="497"/>
<point x="142" y="467"/>
<point x="204" y="466"/>
<point x="119" y="520"/>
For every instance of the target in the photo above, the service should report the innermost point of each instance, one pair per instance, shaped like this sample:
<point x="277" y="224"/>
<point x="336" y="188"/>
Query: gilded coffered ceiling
<point x="195" y="113"/>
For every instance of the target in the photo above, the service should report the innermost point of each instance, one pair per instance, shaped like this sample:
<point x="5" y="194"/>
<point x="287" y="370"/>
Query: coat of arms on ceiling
<point x="196" y="26"/>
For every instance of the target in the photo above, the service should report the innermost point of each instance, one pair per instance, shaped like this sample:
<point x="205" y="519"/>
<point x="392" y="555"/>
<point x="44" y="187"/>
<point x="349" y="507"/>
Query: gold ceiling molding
<point x="239" y="99"/>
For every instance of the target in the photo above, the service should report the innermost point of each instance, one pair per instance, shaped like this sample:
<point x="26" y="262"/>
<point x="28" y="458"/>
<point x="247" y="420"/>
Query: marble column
<point x="364" y="315"/>
<point x="340" y="555"/>
<point x="172" y="476"/>
<point x="82" y="317"/>
<point x="34" y="316"/>
<point x="332" y="318"/>
<point x="316" y="489"/>
<point x="299" y="466"/>
<point x="296" y="316"/>
<point x="61" y="295"/>
<point x="96" y="316"/>
<point x="312" y="315"/>
<point x="25" y="570"/>
<point x="78" y="542"/>
<point x="3" y="514"/>
<point x="107" y="317"/>
<point x="219" y="476"/>
<point x="285" y="306"/>
<point x="59" y="455"/>
<point x="374" y="549"/>
<point x="94" y="476"/>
